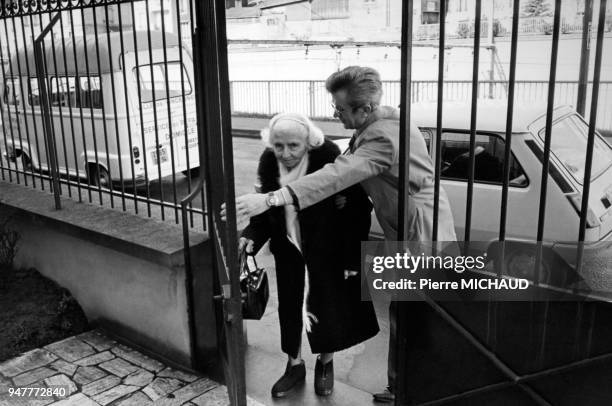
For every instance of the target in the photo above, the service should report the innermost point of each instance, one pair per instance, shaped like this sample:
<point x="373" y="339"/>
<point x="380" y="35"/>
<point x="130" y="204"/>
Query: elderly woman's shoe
<point x="324" y="378"/>
<point x="293" y="376"/>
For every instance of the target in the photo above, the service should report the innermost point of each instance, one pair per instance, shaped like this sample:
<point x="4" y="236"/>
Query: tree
<point x="537" y="8"/>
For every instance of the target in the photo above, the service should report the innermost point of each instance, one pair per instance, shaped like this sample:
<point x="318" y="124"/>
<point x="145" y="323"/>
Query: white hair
<point x="314" y="137"/>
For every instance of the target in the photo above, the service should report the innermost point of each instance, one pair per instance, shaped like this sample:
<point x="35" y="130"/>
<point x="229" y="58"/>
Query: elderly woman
<point x="317" y="254"/>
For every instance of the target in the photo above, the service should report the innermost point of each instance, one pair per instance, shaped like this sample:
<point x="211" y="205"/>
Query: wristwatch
<point x="272" y="200"/>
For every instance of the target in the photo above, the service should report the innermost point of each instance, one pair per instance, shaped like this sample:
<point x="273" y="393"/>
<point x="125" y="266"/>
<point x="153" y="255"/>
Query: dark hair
<point x="362" y="85"/>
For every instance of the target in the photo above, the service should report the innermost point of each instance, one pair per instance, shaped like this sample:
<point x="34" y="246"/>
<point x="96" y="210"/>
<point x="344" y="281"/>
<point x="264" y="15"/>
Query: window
<point x="11" y="92"/>
<point x="489" y="159"/>
<point x="143" y="77"/>
<point x="33" y="93"/>
<point x="329" y="9"/>
<point x="63" y="92"/>
<point x="569" y="143"/>
<point x="89" y="94"/>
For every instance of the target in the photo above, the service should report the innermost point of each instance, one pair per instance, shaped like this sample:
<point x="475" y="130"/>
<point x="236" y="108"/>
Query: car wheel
<point x="23" y="162"/>
<point x="520" y="263"/>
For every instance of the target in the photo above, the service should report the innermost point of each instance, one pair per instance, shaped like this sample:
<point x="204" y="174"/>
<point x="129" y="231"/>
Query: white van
<point x="91" y="142"/>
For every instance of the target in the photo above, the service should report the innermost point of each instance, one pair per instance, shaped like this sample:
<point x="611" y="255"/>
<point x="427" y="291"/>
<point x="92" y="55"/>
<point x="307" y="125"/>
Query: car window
<point x="175" y="86"/>
<point x="489" y="159"/>
<point x="569" y="143"/>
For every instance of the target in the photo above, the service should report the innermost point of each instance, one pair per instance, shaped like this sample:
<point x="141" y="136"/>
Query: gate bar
<point x="76" y="158"/>
<point x="401" y="342"/>
<point x="441" y="49"/>
<point x="114" y="100"/>
<point x="44" y="98"/>
<point x="473" y="115"/>
<point x="127" y="104"/>
<point x="144" y="144"/>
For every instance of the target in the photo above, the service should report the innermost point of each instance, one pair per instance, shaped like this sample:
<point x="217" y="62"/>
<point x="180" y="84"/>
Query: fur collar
<point x="268" y="168"/>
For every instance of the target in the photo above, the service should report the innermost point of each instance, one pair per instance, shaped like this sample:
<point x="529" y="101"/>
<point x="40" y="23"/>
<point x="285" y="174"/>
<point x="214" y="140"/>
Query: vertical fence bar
<point x="170" y="132"/>
<point x="56" y="76"/>
<point x="127" y="107"/>
<point x="546" y="166"/>
<point x="24" y="162"/>
<point x="4" y="123"/>
<point x="184" y="104"/>
<point x="140" y="113"/>
<point x="509" y="120"/>
<point x="114" y="100"/>
<point x="79" y="101"/>
<point x="158" y="147"/>
<point x="91" y="113"/>
<point x="583" y="75"/>
<point x="12" y="102"/>
<point x="76" y="159"/>
<point x="441" y="51"/>
<point x="399" y="310"/>
<point x="41" y="108"/>
<point x="102" y="102"/>
<point x="591" y="135"/>
<point x="39" y="44"/>
<point x="473" y="116"/>
<point x="29" y="90"/>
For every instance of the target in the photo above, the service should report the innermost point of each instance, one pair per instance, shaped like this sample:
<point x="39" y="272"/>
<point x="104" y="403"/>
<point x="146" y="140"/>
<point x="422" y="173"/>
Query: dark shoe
<point x="324" y="378"/>
<point x="291" y="378"/>
<point x="385" y="396"/>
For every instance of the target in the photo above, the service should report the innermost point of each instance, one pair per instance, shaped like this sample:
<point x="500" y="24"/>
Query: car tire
<point x="520" y="262"/>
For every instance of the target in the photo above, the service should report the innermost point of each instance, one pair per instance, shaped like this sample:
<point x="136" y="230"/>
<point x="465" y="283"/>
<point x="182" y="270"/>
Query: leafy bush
<point x="8" y="244"/>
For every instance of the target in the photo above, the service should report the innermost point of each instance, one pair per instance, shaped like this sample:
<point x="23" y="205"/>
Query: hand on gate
<point x="247" y="206"/>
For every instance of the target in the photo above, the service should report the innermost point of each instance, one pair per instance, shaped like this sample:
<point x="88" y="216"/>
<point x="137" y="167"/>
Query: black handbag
<point x="254" y="288"/>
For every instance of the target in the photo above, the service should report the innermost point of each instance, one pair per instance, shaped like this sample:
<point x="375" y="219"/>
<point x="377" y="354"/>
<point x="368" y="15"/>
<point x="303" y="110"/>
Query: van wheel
<point x="23" y="162"/>
<point x="193" y="172"/>
<point x="98" y="176"/>
<point x="520" y="263"/>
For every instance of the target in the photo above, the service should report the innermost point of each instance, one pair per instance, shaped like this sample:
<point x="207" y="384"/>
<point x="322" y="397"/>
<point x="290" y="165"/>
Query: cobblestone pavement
<point x="99" y="371"/>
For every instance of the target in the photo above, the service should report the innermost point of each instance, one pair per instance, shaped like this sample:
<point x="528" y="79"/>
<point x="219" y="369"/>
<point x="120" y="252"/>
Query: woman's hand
<point x="247" y="206"/>
<point x="340" y="201"/>
<point x="246" y="243"/>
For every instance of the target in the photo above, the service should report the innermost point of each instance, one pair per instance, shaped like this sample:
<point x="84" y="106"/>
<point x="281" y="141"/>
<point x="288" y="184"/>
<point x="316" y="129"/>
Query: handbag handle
<point x="244" y="264"/>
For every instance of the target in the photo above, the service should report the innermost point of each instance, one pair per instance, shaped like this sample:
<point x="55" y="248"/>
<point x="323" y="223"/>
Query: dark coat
<point x="331" y="243"/>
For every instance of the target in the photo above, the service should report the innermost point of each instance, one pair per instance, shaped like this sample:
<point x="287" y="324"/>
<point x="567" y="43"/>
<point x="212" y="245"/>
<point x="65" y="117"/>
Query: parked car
<point x="564" y="189"/>
<point x="85" y="89"/>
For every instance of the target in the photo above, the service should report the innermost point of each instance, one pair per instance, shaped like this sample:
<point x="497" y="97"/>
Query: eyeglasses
<point x="342" y="109"/>
<point x="336" y="108"/>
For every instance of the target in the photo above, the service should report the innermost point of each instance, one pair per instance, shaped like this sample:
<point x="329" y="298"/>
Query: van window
<point x="143" y="77"/>
<point x="33" y="92"/>
<point x="11" y="91"/>
<point x="489" y="159"/>
<point x="89" y="93"/>
<point x="63" y="92"/>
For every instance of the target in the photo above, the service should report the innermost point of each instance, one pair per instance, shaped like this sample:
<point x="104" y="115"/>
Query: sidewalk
<point x="99" y="371"/>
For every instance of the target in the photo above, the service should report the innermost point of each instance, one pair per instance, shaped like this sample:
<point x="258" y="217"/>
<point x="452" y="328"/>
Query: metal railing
<point x="105" y="110"/>
<point x="268" y="97"/>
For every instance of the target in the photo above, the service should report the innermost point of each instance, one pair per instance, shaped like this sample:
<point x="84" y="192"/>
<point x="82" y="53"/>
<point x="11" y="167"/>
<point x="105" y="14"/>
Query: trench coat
<point x="331" y="243"/>
<point x="373" y="161"/>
